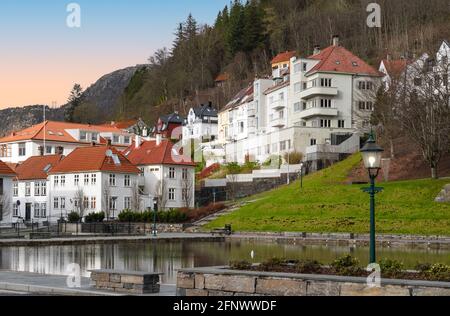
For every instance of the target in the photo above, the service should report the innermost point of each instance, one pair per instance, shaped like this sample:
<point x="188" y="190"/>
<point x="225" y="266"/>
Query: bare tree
<point x="136" y="198"/>
<point x="106" y="197"/>
<point x="161" y="193"/>
<point x="79" y="201"/>
<point x="187" y="186"/>
<point x="5" y="207"/>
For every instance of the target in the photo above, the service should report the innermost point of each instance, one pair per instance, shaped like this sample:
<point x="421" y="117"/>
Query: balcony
<point x="312" y="112"/>
<point x="278" y="122"/>
<point x="278" y="105"/>
<point x="251" y="111"/>
<point x="316" y="91"/>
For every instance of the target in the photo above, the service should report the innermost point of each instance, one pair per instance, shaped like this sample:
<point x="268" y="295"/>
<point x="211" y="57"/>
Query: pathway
<point x="19" y="283"/>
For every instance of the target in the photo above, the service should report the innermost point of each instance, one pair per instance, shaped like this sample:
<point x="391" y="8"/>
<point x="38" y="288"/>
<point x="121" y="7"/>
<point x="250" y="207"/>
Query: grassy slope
<point x="327" y="204"/>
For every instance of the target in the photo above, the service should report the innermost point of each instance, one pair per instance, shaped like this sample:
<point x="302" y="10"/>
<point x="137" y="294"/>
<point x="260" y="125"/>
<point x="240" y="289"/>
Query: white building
<point x="93" y="179"/>
<point x="30" y="192"/>
<point x="201" y="124"/>
<point x="50" y="138"/>
<point x="317" y="102"/>
<point x="166" y="176"/>
<point x="6" y="183"/>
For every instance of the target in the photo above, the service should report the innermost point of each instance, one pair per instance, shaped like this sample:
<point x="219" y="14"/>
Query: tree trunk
<point x="434" y="173"/>
<point x="392" y="149"/>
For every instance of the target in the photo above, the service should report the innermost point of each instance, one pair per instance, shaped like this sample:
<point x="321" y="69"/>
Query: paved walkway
<point x="81" y="240"/>
<point x="19" y="283"/>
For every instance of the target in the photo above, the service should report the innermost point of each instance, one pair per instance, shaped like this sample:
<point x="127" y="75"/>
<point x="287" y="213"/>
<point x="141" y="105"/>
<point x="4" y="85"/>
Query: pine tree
<point x="74" y="101"/>
<point x="254" y="28"/>
<point x="190" y="28"/>
<point x="235" y="40"/>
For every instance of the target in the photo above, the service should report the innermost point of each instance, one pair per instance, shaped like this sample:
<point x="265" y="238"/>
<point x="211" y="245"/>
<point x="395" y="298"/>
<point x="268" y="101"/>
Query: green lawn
<point x="327" y="204"/>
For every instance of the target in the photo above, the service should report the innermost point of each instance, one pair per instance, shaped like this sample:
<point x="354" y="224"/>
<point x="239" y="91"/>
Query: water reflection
<point x="167" y="257"/>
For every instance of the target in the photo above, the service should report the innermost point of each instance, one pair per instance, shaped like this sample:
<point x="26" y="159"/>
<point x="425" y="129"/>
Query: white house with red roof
<point x="167" y="176"/>
<point x="50" y="138"/>
<point x="30" y="194"/>
<point x="6" y="182"/>
<point x="94" y="179"/>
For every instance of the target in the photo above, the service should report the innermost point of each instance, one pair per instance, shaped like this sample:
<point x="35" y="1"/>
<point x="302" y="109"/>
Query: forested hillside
<point x="246" y="36"/>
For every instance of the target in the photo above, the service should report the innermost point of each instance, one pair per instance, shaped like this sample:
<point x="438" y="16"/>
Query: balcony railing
<point x="278" y="122"/>
<point x="312" y="112"/>
<point x="278" y="105"/>
<point x="316" y="91"/>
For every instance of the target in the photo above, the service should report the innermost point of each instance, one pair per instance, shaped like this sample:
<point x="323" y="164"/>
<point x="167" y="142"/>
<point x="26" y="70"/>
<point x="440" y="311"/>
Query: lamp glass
<point x="372" y="159"/>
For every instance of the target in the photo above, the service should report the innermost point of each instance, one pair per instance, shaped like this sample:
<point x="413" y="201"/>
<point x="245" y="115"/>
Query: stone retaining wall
<point x="219" y="281"/>
<point x="126" y="281"/>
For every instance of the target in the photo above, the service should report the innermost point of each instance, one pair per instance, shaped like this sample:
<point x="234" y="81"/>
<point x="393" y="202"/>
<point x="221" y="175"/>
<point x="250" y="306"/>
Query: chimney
<point x="144" y="132"/>
<point x="59" y="150"/>
<point x="93" y="144"/>
<point x="137" y="141"/>
<point x="335" y="40"/>
<point x="158" y="139"/>
<point x="316" y="50"/>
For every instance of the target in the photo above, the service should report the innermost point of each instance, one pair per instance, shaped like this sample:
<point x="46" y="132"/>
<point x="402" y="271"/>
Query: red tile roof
<point x="5" y="170"/>
<point x="93" y="159"/>
<point x="121" y="125"/>
<point x="339" y="59"/>
<point x="34" y="168"/>
<point x="395" y="67"/>
<point x="222" y="77"/>
<point x="55" y="131"/>
<point x="282" y="57"/>
<point x="149" y="153"/>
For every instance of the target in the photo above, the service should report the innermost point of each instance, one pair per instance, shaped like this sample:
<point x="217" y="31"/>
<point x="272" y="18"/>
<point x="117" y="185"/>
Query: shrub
<point x="197" y="213"/>
<point x="74" y="217"/>
<point x="293" y="158"/>
<point x="308" y="266"/>
<point x="233" y="168"/>
<point x="240" y="265"/>
<point x="439" y="272"/>
<point x="272" y="264"/>
<point x="273" y="161"/>
<point x="391" y="268"/>
<point x="248" y="167"/>
<point x="423" y="267"/>
<point x="347" y="265"/>
<point x="95" y="217"/>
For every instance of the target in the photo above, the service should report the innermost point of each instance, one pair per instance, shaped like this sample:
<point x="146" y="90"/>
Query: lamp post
<point x="155" y="210"/>
<point x="372" y="153"/>
<point x="301" y="175"/>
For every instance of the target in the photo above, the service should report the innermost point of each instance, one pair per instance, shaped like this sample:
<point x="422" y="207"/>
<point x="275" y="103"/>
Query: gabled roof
<point x="38" y="167"/>
<point x="149" y="153"/>
<point x="336" y="58"/>
<point x="205" y="110"/>
<point x="282" y="57"/>
<point x="94" y="159"/>
<point x="395" y="67"/>
<point x="222" y="77"/>
<point x="122" y="124"/>
<point x="243" y="96"/>
<point x="5" y="170"/>
<point x="56" y="131"/>
<point x="174" y="118"/>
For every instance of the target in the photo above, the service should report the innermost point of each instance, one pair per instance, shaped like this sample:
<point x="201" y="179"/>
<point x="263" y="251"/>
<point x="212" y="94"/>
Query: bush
<point x="73" y="217"/>
<point x="240" y="265"/>
<point x="273" y="161"/>
<point x="168" y="217"/>
<point x="423" y="267"/>
<point x="347" y="265"/>
<point x="391" y="268"/>
<point x="198" y="213"/>
<point x="233" y="168"/>
<point x="308" y="266"/>
<point x="293" y="158"/>
<point x="439" y="272"/>
<point x="95" y="217"/>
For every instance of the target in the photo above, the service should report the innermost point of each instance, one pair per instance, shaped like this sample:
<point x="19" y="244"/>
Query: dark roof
<point x="172" y="118"/>
<point x="205" y="111"/>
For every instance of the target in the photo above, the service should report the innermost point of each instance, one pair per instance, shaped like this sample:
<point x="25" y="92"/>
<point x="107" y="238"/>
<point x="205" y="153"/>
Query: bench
<point x="129" y="282"/>
<point x="40" y="235"/>
<point x="222" y="231"/>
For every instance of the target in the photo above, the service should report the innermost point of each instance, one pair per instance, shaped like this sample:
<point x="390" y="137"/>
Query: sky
<point x="41" y="57"/>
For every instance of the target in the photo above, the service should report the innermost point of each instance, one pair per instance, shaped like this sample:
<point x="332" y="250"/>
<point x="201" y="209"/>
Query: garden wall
<point x="218" y="281"/>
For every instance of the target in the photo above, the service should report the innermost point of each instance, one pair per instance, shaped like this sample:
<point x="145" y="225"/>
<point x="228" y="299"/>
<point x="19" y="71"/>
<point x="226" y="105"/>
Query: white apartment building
<point x="50" y="138"/>
<point x="317" y="102"/>
<point x="166" y="176"/>
<point x="6" y="183"/>
<point x="93" y="179"/>
<point x="201" y="124"/>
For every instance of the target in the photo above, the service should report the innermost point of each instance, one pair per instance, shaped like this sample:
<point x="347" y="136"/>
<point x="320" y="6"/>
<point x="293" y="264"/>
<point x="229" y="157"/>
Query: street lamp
<point x="301" y="175"/>
<point x="155" y="210"/>
<point x="372" y="153"/>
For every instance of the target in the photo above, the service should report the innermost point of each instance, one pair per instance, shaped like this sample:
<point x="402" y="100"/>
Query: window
<point x="362" y="105"/>
<point x="325" y="103"/>
<point x="304" y="66"/>
<point x="297" y="107"/>
<point x="56" y="203"/>
<point x="86" y="179"/>
<point x="15" y="210"/>
<point x="172" y="194"/>
<point x="83" y="136"/>
<point x="113" y="203"/>
<point x="93" y="179"/>
<point x="28" y="189"/>
<point x="171" y="173"/>
<point x="185" y="174"/>
<point x="15" y="189"/>
<point x="127" y="203"/>
<point x="127" y="139"/>
<point x="93" y="203"/>
<point x="241" y="127"/>
<point x="44" y="188"/>
<point x="22" y="150"/>
<point x="48" y="150"/>
<point x="63" y="203"/>
<point x="112" y="180"/>
<point x="56" y="181"/>
<point x="44" y="210"/>
<point x="341" y="123"/>
<point x="281" y="114"/>
<point x="325" y="82"/>
<point x="282" y="146"/>
<point x="86" y="202"/>
<point x="313" y="142"/>
<point x="63" y="181"/>
<point x="126" y="180"/>
<point x="76" y="180"/>
<point x="115" y="139"/>
<point x="369" y="106"/>
<point x="94" y="137"/>
<point x="281" y="96"/>
<point x="37" y="189"/>
<point x="325" y="123"/>
<point x="37" y="210"/>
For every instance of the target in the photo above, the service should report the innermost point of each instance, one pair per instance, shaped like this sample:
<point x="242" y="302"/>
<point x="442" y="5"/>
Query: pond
<point x="167" y="257"/>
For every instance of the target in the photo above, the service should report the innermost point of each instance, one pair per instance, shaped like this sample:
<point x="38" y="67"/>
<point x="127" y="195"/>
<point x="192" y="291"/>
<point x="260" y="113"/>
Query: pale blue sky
<point x="41" y="57"/>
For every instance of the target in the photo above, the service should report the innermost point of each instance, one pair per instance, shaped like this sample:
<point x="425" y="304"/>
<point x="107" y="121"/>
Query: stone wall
<point x="126" y="281"/>
<point x="219" y="281"/>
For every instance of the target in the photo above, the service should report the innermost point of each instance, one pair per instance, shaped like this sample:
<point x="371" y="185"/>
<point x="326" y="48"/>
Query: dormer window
<point x="355" y="64"/>
<point x="94" y="137"/>
<point x="115" y="139"/>
<point x="83" y="136"/>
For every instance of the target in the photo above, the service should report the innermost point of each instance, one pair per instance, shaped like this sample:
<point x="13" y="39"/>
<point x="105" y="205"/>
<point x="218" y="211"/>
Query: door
<point x="28" y="212"/>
